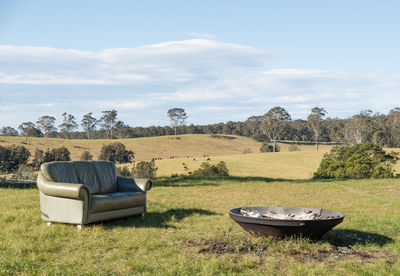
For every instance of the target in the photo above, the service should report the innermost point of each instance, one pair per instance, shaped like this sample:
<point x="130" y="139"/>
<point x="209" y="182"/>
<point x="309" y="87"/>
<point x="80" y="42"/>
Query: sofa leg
<point x="49" y="223"/>
<point x="79" y="226"/>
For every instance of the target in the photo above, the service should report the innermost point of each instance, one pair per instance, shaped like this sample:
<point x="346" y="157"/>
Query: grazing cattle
<point x="208" y="159"/>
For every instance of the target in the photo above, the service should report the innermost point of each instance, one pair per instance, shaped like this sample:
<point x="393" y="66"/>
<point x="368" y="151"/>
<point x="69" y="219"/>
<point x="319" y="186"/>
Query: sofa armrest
<point x="126" y="184"/>
<point x="60" y="189"/>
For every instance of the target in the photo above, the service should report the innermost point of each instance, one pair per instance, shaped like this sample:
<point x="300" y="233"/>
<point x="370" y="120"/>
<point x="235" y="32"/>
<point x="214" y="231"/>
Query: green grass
<point x="187" y="231"/>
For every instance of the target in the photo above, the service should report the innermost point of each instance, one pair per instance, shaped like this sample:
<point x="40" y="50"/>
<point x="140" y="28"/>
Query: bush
<point x="359" y="161"/>
<point x="116" y="152"/>
<point x="38" y="159"/>
<point x="86" y="156"/>
<point x="294" y="148"/>
<point x="24" y="173"/>
<point x="145" y="169"/>
<point x="57" y="154"/>
<point x="212" y="170"/>
<point x="266" y="147"/>
<point x="124" y="171"/>
<point x="12" y="157"/>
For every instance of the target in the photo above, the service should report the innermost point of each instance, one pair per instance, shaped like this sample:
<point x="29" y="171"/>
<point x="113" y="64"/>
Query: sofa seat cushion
<point x="116" y="201"/>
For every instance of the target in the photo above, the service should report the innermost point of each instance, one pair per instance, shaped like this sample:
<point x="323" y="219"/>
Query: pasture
<point x="187" y="230"/>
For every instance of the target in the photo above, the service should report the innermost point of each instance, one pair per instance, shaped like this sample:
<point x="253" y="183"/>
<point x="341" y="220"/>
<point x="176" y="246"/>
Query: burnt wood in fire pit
<point x="286" y="221"/>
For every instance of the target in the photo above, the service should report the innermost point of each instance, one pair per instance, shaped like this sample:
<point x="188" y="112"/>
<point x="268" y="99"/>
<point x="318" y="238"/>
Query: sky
<point x="219" y="60"/>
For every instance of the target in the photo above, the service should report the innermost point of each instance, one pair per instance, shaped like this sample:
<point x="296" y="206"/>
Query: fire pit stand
<point x="286" y="221"/>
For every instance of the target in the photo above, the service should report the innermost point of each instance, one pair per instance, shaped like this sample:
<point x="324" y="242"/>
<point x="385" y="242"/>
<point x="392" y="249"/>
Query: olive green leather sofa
<point x="82" y="192"/>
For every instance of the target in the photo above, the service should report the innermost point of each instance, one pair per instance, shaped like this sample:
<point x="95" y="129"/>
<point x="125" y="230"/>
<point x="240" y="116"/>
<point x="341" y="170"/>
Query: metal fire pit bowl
<point x="312" y="228"/>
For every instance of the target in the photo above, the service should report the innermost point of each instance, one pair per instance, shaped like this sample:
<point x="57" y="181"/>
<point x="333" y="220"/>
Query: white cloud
<point x="202" y="35"/>
<point x="212" y="80"/>
<point x="176" y="61"/>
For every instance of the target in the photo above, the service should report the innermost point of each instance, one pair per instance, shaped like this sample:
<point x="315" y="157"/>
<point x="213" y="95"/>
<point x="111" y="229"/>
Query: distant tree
<point x="108" y="121"/>
<point x="123" y="131"/>
<point x="25" y="128"/>
<point x="359" y="128"/>
<point x="274" y="122"/>
<point x="394" y="126"/>
<point x="253" y="123"/>
<point x="315" y="121"/>
<point x="177" y="117"/>
<point x="8" y="131"/>
<point x="46" y="124"/>
<point x="68" y="125"/>
<point x="89" y="123"/>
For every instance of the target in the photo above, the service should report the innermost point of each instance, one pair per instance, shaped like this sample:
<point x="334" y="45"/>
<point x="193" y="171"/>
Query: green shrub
<point x="86" y="156"/>
<point x="124" y="171"/>
<point x="267" y="147"/>
<point x="12" y="157"/>
<point x="212" y="170"/>
<point x="359" y="161"/>
<point x="116" y="152"/>
<point x="294" y="148"/>
<point x="57" y="154"/>
<point x="38" y="159"/>
<point x="145" y="169"/>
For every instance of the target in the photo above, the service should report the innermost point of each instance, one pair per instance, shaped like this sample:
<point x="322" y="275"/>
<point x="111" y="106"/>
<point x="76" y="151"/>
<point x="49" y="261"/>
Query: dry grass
<point x="146" y="148"/>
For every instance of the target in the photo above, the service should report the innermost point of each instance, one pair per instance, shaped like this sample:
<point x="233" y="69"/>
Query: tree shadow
<point x="157" y="219"/>
<point x="350" y="237"/>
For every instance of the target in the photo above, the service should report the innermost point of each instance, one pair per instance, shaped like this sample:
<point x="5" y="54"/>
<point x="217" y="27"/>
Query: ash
<point x="307" y="215"/>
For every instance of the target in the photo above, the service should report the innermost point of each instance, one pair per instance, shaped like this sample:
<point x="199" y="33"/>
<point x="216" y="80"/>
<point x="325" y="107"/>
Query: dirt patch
<point x="336" y="252"/>
<point x="213" y="246"/>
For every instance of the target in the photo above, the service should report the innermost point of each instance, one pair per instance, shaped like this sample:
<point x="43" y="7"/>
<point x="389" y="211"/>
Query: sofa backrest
<point x="98" y="176"/>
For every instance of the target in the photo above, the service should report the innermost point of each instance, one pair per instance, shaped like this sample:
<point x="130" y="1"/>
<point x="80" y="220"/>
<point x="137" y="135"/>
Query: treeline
<point x="381" y="129"/>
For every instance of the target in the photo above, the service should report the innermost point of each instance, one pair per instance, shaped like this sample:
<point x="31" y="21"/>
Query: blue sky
<point x="220" y="60"/>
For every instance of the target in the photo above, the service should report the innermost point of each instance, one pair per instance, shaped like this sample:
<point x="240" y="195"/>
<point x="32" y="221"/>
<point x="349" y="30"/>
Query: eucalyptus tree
<point x="177" y="117"/>
<point x="359" y="128"/>
<point x="8" y="131"/>
<point x="315" y="120"/>
<point x="68" y="125"/>
<point x="253" y="124"/>
<point x="273" y="124"/>
<point x="89" y="123"/>
<point x="25" y="128"/>
<point x="46" y="124"/>
<point x="108" y="121"/>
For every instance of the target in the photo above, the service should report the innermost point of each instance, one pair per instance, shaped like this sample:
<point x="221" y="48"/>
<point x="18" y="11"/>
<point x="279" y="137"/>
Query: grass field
<point x="146" y="148"/>
<point x="187" y="231"/>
